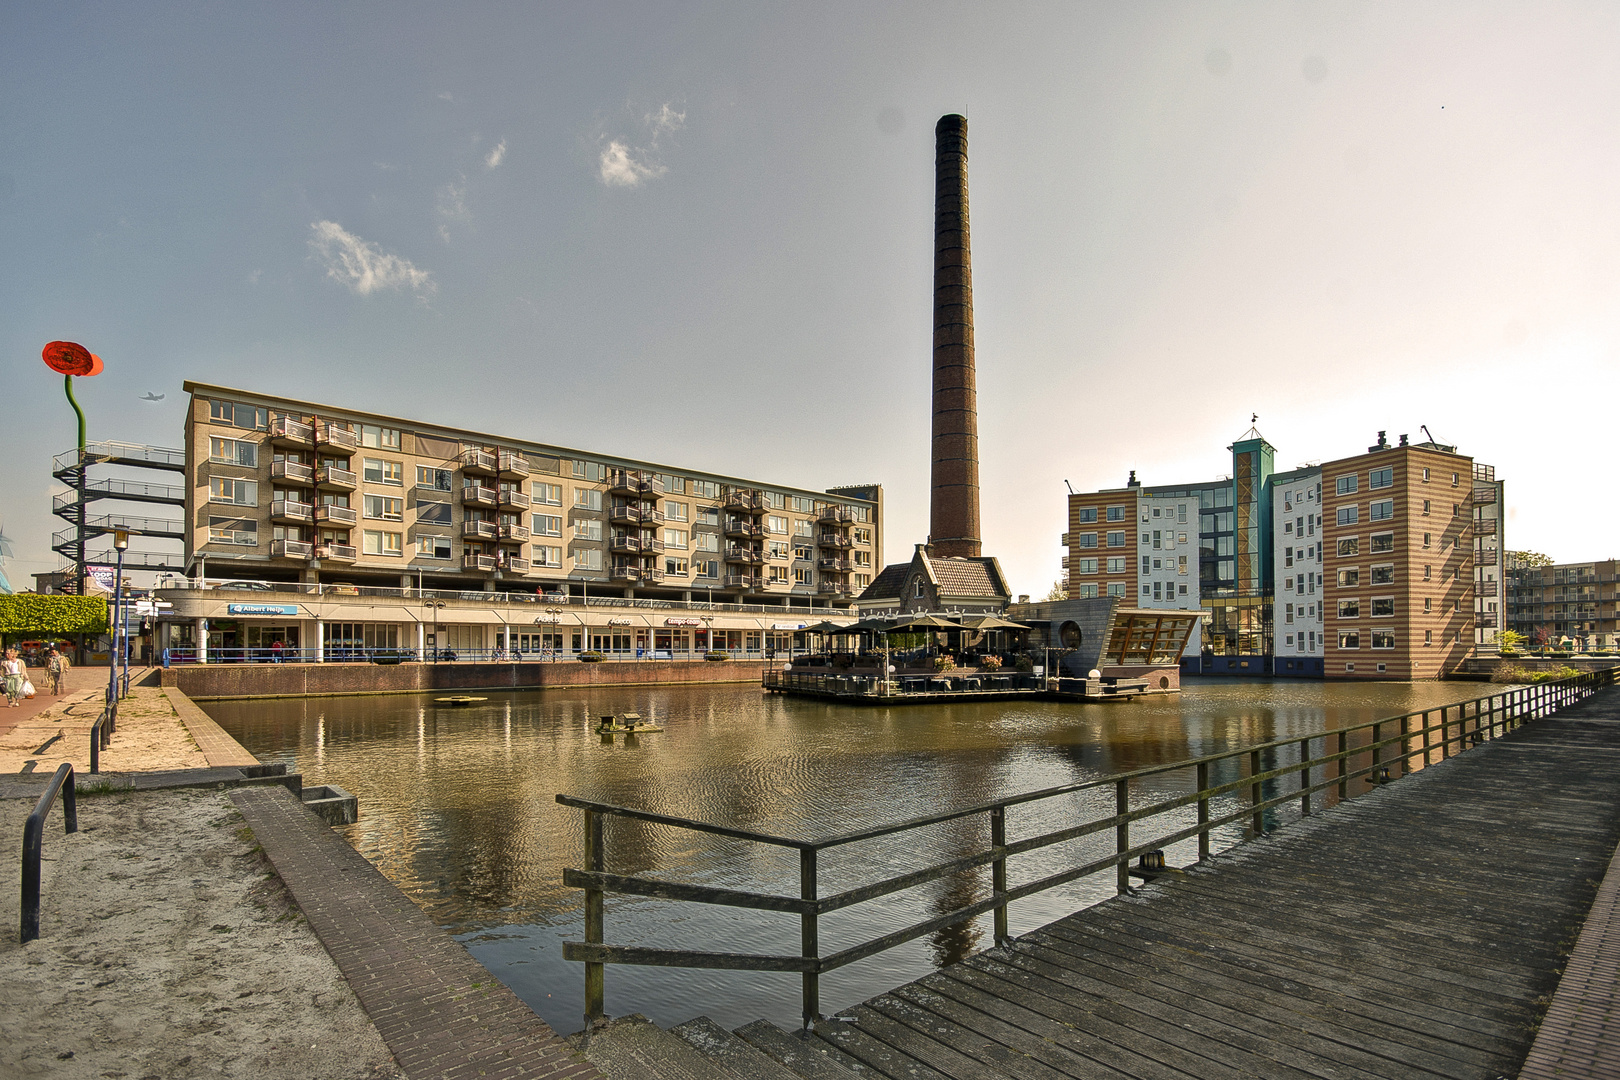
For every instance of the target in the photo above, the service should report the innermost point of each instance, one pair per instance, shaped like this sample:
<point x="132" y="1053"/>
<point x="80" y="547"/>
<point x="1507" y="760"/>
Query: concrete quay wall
<point x="216" y="681"/>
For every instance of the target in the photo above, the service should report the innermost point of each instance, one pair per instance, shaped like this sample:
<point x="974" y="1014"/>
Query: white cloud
<point x="620" y="167"/>
<point x="452" y="206"/>
<point x="364" y="267"/>
<point x="664" y="121"/>
<point x="496" y="156"/>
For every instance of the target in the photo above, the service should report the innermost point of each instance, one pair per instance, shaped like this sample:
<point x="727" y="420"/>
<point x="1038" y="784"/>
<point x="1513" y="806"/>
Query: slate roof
<point x="888" y="584"/>
<point x="960" y="576"/>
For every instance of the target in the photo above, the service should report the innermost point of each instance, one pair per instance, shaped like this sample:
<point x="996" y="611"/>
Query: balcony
<point x="473" y="495"/>
<point x="478" y="530"/>
<point x="285" y="431"/>
<point x="832" y="563"/>
<point x="652" y="544"/>
<point x="1484" y="496"/>
<point x="330" y="476"/>
<point x="479" y="461"/>
<point x="335" y="552"/>
<point x="625" y="573"/>
<point x="329" y="434"/>
<point x="1484" y="526"/>
<point x="638" y="484"/>
<point x="1486" y="557"/>
<point x="833" y="540"/>
<point x="291" y="549"/>
<point x="287" y="512"/>
<point x="745" y="500"/>
<point x="340" y="516"/>
<point x="510" y="498"/>
<point x="833" y="588"/>
<point x="837" y="515"/>
<point x="625" y="545"/>
<point x="651" y="573"/>
<point x="292" y="472"/>
<point x="514" y="534"/>
<point x="743" y="581"/>
<point x="1485" y="619"/>
<point x="623" y="513"/>
<point x="751" y="556"/>
<point x="478" y="564"/>
<point x="743" y="529"/>
<point x="515" y="565"/>
<point x="512" y="465"/>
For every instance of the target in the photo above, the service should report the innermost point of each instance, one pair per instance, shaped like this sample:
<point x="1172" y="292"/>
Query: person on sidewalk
<point x="13" y="670"/>
<point x="56" y="670"/>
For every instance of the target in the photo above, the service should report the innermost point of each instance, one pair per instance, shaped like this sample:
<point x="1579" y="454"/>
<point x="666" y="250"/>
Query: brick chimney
<point x="953" y="519"/>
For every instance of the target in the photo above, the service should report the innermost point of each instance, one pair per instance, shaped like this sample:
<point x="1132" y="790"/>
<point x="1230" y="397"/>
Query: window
<point x="432" y="513"/>
<point x="1088" y="540"/>
<point x="384" y="508"/>
<point x="1350" y="639"/>
<point x="802" y="505"/>
<point x="1349" y="546"/>
<point x="1427" y="571"/>
<point x="862" y="536"/>
<point x="1088" y="590"/>
<point x="705" y="541"/>
<point x="377" y="542"/>
<point x="588" y="530"/>
<point x="379" y="471"/>
<point x="223" y="489"/>
<point x="1116" y="539"/>
<point x="1382" y="542"/>
<point x="706" y="489"/>
<point x="675" y="538"/>
<point x="674" y="511"/>
<point x="804" y="528"/>
<point x="1350" y="578"/>
<point x="776" y="500"/>
<point x="437" y="479"/>
<point x="1116" y="566"/>
<point x="802" y="576"/>
<point x="1088" y="566"/>
<point x="1426" y="540"/>
<point x="1428" y="635"/>
<point x="1147" y="565"/>
<point x="674" y="485"/>
<point x="233" y="452"/>
<point x="1156" y="538"/>
<point x="1382" y="510"/>
<point x="547" y="555"/>
<point x="1349" y="515"/>
<point x="1383" y="607"/>
<point x="1116" y="588"/>
<point x="1288" y="613"/>
<point x="677" y="567"/>
<point x="777" y="524"/>
<point x="224" y="530"/>
<point x="1288" y="557"/>
<point x="1288" y="527"/>
<point x="706" y="568"/>
<point x="1344" y="485"/>
<point x="587" y="558"/>
<point x="1181" y="514"/>
<point x="1381" y="478"/>
<point x="1087" y="514"/>
<point x="1425" y="480"/>
<point x="547" y="524"/>
<point x="1384" y="575"/>
<point x="1181" y="568"/>
<point x="242" y="416"/>
<point x="1427" y="506"/>
<point x="1454" y="478"/>
<point x="778" y="549"/>
<point x="550" y="494"/>
<point x="1349" y="609"/>
<point x="1383" y="639"/>
<point x="1116" y="513"/>
<point x="379" y="438"/>
<point x="433" y="547"/>
<point x="587" y="499"/>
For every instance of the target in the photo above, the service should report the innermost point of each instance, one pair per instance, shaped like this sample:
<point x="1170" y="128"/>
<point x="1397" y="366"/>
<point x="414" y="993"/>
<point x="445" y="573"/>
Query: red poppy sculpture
<point x="69" y="358"/>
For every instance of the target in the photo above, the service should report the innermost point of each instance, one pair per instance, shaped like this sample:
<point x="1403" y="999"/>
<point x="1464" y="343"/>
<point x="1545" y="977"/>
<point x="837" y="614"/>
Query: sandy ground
<point x="150" y="736"/>
<point x="169" y="949"/>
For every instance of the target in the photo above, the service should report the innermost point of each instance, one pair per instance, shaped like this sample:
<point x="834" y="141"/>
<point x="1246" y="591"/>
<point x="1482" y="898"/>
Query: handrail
<point x="34" y="843"/>
<point x="1377" y="751"/>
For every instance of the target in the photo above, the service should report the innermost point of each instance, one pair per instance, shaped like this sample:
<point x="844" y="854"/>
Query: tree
<point x="1509" y="641"/>
<point x="1058" y="592"/>
<point x="1527" y="560"/>
<point x="44" y="615"/>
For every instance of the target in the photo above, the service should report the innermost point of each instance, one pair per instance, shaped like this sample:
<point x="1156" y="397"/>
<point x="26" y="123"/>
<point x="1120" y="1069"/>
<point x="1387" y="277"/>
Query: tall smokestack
<point x="953" y="519"/>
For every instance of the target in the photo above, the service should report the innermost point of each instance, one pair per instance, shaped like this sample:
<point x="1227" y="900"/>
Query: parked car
<point x="343" y="588"/>
<point x="244" y="585"/>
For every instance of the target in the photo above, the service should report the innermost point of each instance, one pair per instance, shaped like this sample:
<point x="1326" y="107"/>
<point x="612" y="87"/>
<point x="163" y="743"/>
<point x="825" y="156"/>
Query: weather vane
<point x="69" y="358"/>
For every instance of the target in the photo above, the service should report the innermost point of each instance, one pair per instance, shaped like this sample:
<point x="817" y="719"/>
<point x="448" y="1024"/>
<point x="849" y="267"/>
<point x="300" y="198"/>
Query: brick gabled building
<point x="930" y="582"/>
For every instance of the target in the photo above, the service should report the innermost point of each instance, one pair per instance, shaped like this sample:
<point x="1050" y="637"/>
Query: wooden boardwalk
<point x="1418" y="931"/>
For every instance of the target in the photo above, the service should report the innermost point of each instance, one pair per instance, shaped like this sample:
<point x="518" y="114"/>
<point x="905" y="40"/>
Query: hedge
<point x="37" y="613"/>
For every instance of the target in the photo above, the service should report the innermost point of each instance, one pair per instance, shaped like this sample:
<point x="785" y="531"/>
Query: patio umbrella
<point x="925" y="622"/>
<point x="992" y="622"/>
<point x="825" y="627"/>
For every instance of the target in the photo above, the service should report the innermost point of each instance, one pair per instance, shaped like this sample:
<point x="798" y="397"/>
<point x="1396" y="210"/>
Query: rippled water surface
<point x="458" y="809"/>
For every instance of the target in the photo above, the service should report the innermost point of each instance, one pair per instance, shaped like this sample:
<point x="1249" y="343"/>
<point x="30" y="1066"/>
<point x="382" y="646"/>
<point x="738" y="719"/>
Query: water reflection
<point x="458" y="809"/>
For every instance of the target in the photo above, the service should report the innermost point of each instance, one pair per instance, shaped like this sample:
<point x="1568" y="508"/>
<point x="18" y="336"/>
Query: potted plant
<point x="591" y="657"/>
<point x="944" y="663"/>
<point x="989" y="663"/>
<point x="716" y="654"/>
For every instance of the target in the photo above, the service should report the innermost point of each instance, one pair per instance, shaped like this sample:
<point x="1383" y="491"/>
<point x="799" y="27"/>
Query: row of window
<point x="1114" y="539"/>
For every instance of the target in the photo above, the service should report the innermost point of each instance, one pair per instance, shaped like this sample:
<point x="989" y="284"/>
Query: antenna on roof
<point x="1429" y="433"/>
<point x="1069" y="486"/>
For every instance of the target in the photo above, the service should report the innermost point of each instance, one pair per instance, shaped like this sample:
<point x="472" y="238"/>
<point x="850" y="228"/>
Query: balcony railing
<point x="625" y="573"/>
<point x="291" y="549"/>
<point x="631" y="482"/>
<point x="335" y="552"/>
<point x="837" y="515"/>
<point x="1486" y="557"/>
<point x="1484" y="496"/>
<point x="512" y="464"/>
<point x="478" y="530"/>
<point x="745" y="499"/>
<point x="285" y="430"/>
<point x="328" y="433"/>
<point x="293" y="472"/>
<point x="512" y="499"/>
<point x="1484" y="526"/>
<point x="634" y="514"/>
<point x="287" y="511"/>
<point x="479" y="461"/>
<point x="330" y="476"/>
<point x="743" y="581"/>
<point x="482" y="564"/>
<point x="651" y="544"/>
<point x="743" y="528"/>
<point x="651" y="573"/>
<point x="516" y="533"/>
<point x="833" y="540"/>
<point x="625" y="545"/>
<point x="515" y="565"/>
<point x="745" y="555"/>
<point x="1486" y="619"/>
<point x="473" y="495"/>
<point x="336" y="515"/>
<point x="833" y="564"/>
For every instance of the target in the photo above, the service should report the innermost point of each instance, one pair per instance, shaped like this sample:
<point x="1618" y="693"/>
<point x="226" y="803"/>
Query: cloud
<point x="496" y="156"/>
<point x="452" y="206"/>
<point x="622" y="164"/>
<point x="364" y="267"/>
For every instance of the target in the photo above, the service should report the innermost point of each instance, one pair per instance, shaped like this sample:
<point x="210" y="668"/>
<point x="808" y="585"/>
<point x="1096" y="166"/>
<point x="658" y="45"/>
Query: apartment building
<point x="1399" y="561"/>
<point x="1565" y="600"/>
<point x="1296" y="511"/>
<point x="286" y="490"/>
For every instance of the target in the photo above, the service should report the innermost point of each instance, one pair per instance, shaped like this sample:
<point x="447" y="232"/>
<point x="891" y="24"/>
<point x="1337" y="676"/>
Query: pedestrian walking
<point x="14" y="672"/>
<point x="56" y="670"/>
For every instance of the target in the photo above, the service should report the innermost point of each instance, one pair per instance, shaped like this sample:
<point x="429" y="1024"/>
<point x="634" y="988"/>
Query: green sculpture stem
<point x="67" y="385"/>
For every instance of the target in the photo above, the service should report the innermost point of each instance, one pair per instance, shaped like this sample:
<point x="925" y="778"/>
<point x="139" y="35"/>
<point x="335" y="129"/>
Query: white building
<point x="1296" y="506"/>
<point x="1167" y="556"/>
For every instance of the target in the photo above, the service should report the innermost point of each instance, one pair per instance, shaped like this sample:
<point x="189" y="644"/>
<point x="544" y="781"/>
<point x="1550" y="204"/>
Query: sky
<point x="701" y="234"/>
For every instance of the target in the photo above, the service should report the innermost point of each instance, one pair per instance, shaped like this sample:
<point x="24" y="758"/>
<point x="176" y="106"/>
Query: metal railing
<point x="33" y="845"/>
<point x="1377" y="751"/>
<point x="101" y="732"/>
<point x="336" y="653"/>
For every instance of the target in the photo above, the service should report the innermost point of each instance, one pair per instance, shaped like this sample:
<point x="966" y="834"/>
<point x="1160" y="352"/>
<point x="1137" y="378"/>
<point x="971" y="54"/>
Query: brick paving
<point x="216" y="745"/>
<point x="80" y="685"/>
<point x="441" y="1012"/>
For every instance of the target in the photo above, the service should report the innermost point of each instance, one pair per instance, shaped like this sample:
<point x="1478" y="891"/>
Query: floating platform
<point x="628" y="724"/>
<point x="459" y="699"/>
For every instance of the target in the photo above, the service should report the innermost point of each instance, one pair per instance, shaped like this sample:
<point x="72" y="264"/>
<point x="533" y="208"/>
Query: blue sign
<point x="262" y="609"/>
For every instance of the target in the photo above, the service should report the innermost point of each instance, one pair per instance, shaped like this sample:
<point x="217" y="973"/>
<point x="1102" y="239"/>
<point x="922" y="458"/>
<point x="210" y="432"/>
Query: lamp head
<point x="120" y="539"/>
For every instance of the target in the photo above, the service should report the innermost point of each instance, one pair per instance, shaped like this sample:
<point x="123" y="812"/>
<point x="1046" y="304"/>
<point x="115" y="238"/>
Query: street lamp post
<point x="553" y="619"/>
<point x="433" y="607"/>
<point x="120" y="543"/>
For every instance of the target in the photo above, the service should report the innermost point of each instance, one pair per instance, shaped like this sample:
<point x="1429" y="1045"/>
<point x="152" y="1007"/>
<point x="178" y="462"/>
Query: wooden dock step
<point x="740" y="1058"/>
<point x="806" y="1055"/>
<point x="633" y="1048"/>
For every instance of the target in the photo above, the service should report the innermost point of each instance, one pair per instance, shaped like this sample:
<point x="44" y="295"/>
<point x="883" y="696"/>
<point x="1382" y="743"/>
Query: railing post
<point x="1445" y="735"/>
<point x="1428" y="742"/>
<point x="809" y="946"/>
<point x="95" y="744"/>
<point x="998" y="871"/>
<point x="1304" y="778"/>
<point x="1258" y="819"/>
<point x="1377" y="751"/>
<point x="1344" y="765"/>
<point x="1122" y="836"/>
<point x="594" y="861"/>
<point x="1203" y="811"/>
<point x="1406" y="744"/>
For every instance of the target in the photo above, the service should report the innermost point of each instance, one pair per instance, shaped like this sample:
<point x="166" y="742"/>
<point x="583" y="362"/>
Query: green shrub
<point x="716" y="654"/>
<point x="591" y="657"/>
<point x="37" y="613"/>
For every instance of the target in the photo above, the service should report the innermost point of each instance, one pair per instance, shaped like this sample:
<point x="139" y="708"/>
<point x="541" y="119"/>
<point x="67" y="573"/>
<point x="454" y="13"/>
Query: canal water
<point x="458" y="808"/>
